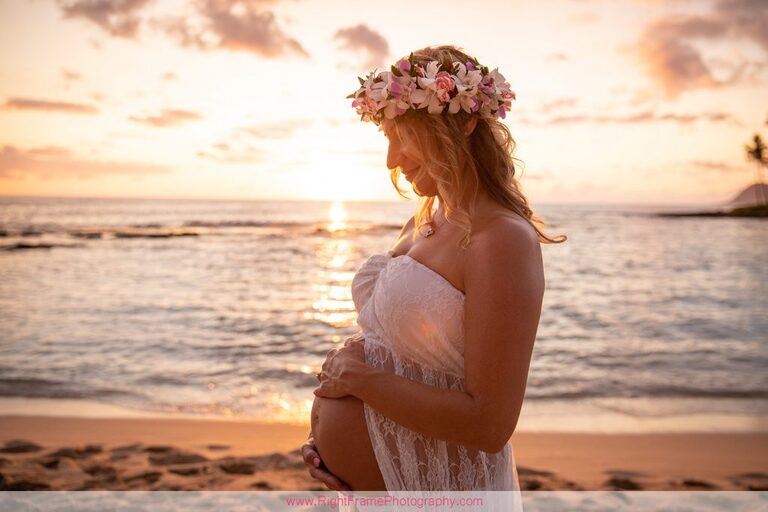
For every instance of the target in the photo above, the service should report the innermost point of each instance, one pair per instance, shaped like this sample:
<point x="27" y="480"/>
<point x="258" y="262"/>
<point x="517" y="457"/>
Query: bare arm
<point x="504" y="289"/>
<point x="445" y="414"/>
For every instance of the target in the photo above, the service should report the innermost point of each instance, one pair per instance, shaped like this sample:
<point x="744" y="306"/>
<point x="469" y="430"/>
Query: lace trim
<point x="410" y="461"/>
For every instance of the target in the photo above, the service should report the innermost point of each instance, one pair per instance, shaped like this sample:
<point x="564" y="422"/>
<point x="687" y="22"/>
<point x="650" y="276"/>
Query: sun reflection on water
<point x="335" y="306"/>
<point x="337" y="215"/>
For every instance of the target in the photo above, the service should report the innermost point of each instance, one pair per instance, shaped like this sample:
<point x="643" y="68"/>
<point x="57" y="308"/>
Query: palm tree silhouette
<point x="758" y="154"/>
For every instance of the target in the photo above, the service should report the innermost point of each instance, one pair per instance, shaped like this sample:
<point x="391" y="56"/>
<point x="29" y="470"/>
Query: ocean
<point x="226" y="309"/>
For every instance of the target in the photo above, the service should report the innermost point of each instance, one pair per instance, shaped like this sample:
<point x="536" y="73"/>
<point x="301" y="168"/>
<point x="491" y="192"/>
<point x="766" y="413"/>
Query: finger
<point x="326" y="478"/>
<point x="310" y="456"/>
<point x="324" y="391"/>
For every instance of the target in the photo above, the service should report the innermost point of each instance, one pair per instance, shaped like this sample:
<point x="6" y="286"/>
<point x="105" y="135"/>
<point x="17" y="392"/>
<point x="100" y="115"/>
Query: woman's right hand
<point x="317" y="469"/>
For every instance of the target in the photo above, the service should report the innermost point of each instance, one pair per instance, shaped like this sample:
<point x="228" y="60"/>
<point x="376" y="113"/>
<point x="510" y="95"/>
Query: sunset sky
<point x="632" y="101"/>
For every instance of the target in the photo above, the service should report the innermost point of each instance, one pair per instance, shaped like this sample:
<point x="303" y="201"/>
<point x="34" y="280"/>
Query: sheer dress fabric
<point x="412" y="318"/>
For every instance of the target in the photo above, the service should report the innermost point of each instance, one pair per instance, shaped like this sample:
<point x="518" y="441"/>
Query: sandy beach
<point x="68" y="453"/>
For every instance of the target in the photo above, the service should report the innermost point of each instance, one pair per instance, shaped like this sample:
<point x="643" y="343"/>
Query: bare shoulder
<point x="408" y="226"/>
<point x="505" y="234"/>
<point x="506" y="246"/>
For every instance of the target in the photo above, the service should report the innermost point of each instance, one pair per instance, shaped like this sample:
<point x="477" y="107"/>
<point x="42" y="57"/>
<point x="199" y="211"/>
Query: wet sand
<point x="68" y="453"/>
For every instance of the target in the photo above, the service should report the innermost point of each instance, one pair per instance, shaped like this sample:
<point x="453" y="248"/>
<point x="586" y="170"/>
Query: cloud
<point x="168" y="118"/>
<point x="720" y="167"/>
<point x="557" y="104"/>
<point x="239" y="148"/>
<point x="641" y="117"/>
<point x="49" y="106"/>
<point x="58" y="162"/>
<point x="70" y="75"/>
<point x="277" y="130"/>
<point x="225" y="153"/>
<point x="746" y="18"/>
<point x="666" y="52"/>
<point x="364" y="40"/>
<point x="118" y="18"/>
<point x="238" y="25"/>
<point x="558" y="57"/>
<point x="585" y="18"/>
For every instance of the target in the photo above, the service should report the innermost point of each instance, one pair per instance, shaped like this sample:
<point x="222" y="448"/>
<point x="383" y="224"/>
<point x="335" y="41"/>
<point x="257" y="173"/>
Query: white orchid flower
<point x="462" y="100"/>
<point x="466" y="85"/>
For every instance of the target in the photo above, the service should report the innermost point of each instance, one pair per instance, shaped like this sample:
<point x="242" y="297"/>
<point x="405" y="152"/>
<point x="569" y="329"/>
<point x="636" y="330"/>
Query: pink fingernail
<point x="316" y="462"/>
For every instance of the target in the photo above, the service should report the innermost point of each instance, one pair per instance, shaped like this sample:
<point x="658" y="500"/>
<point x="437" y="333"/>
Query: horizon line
<point x="306" y="200"/>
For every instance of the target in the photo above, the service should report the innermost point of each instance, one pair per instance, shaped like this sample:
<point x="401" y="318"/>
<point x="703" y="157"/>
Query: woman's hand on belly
<point x="339" y="369"/>
<point x="316" y="469"/>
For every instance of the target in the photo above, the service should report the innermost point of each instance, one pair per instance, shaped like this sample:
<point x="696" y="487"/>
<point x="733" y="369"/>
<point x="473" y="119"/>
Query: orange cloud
<point x="70" y="75"/>
<point x="720" y="167"/>
<point x="639" y="118"/>
<point x="277" y="130"/>
<point x="58" y="162"/>
<point x="239" y="148"/>
<point x="549" y="106"/>
<point x="168" y="118"/>
<point x="223" y="152"/>
<point x="666" y="52"/>
<point x="49" y="106"/>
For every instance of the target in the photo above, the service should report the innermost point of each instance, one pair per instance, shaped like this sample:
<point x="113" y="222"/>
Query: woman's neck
<point x="483" y="204"/>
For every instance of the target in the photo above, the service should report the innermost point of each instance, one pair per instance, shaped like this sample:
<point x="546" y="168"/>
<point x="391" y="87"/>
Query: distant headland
<point x="750" y="202"/>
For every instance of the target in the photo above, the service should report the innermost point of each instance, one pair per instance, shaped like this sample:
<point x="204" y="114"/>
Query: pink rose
<point x="444" y="85"/>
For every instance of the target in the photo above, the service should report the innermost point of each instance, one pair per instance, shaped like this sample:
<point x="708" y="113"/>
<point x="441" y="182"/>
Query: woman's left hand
<point x="339" y="367"/>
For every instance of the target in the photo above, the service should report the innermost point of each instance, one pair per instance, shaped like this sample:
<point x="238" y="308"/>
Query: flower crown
<point x="409" y="85"/>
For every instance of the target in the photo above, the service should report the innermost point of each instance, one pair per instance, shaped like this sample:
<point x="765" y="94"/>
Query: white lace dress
<point x="412" y="321"/>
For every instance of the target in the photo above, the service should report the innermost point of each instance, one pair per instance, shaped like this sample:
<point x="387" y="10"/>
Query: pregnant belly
<point x="342" y="440"/>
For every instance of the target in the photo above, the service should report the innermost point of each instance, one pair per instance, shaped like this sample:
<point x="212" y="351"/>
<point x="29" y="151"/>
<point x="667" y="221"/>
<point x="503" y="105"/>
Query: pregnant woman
<point x="428" y="394"/>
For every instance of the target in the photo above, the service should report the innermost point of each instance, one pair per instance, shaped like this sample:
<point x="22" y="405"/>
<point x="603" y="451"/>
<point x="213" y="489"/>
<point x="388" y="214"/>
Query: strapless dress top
<point x="415" y="310"/>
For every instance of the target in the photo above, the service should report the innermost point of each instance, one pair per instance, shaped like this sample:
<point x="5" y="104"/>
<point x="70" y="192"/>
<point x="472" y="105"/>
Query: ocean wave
<point x="23" y="246"/>
<point x="244" y="224"/>
<point x="274" y="229"/>
<point x="153" y="234"/>
<point x="45" y="388"/>
<point x="644" y="392"/>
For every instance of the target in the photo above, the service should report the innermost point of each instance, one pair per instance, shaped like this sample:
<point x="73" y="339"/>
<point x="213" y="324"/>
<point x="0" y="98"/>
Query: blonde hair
<point x="488" y="155"/>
